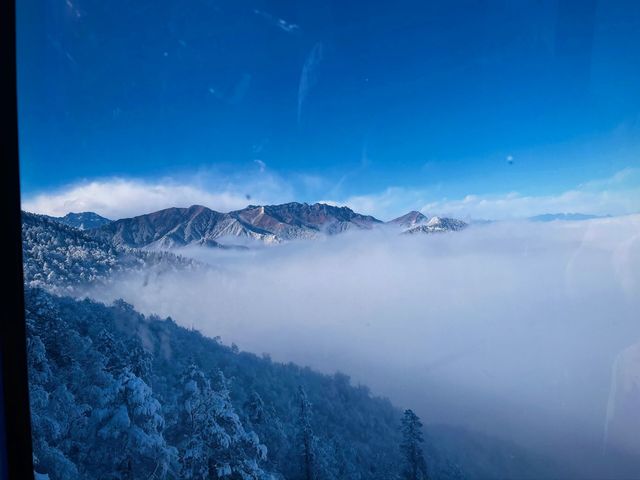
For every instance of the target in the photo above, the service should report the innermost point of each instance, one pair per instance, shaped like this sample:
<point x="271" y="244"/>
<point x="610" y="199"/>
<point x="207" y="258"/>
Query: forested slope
<point x="84" y="357"/>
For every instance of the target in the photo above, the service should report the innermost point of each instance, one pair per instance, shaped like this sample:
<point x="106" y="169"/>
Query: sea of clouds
<point x="519" y="329"/>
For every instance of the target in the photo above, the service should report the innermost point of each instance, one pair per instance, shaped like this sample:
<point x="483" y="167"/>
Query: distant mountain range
<point x="255" y="224"/>
<point x="268" y="224"/>
<point x="199" y="225"/>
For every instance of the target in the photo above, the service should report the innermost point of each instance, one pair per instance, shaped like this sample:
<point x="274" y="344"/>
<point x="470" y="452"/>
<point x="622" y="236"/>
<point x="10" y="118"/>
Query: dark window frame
<point x="16" y="460"/>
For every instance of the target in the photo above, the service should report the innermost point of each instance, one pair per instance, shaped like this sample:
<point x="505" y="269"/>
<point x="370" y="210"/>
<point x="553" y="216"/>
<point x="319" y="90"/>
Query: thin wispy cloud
<point x="261" y="165"/>
<point x="123" y="197"/>
<point x="308" y="76"/>
<point x="120" y="197"/>
<point x="616" y="195"/>
<point x="515" y="205"/>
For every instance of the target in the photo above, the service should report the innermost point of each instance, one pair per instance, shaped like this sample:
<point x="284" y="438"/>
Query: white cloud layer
<point x="121" y="198"/>
<point x="617" y="195"/>
<point x="511" y="327"/>
<point x="613" y="196"/>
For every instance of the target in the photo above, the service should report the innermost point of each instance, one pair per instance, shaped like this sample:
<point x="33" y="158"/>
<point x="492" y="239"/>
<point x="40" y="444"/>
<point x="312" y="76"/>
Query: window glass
<point x="331" y="240"/>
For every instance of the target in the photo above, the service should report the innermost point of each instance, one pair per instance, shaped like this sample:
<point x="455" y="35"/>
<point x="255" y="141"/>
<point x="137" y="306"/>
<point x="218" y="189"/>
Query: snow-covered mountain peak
<point x="82" y="220"/>
<point x="438" y="224"/>
<point x="410" y="219"/>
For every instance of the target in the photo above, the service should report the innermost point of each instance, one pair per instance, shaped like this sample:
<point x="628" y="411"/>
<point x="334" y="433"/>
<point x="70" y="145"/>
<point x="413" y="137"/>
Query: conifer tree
<point x="127" y="431"/>
<point x="415" y="466"/>
<point x="306" y="438"/>
<point x="217" y="444"/>
<point x="254" y="407"/>
<point x="140" y="361"/>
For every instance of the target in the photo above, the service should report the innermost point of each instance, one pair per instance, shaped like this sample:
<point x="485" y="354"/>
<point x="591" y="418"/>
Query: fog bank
<point x="514" y="328"/>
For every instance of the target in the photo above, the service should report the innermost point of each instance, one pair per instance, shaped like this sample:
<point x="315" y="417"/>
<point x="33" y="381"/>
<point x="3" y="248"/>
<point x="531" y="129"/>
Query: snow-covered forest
<point x="59" y="257"/>
<point x="118" y="395"/>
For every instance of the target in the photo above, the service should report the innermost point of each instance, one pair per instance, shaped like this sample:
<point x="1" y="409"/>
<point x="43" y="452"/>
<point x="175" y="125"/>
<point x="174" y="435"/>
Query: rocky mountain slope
<point x="409" y="220"/>
<point x="254" y="225"/>
<point x="199" y="225"/>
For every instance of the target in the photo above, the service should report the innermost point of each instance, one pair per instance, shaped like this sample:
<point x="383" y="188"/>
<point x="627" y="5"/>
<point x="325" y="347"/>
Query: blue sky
<point x="384" y="106"/>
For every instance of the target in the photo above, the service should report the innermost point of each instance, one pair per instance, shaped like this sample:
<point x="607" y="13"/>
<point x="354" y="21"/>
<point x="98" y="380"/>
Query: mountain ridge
<point x="200" y="225"/>
<point x="409" y="220"/>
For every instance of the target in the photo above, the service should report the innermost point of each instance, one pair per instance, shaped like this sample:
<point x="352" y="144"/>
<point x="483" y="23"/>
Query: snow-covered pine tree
<point x="306" y="438"/>
<point x="216" y="444"/>
<point x="254" y="407"/>
<point x="140" y="361"/>
<point x="194" y="414"/>
<point x="342" y="467"/>
<point x="127" y="428"/>
<point x="112" y="350"/>
<point x="239" y="452"/>
<point x="263" y="420"/>
<point x="47" y="431"/>
<point x="415" y="466"/>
